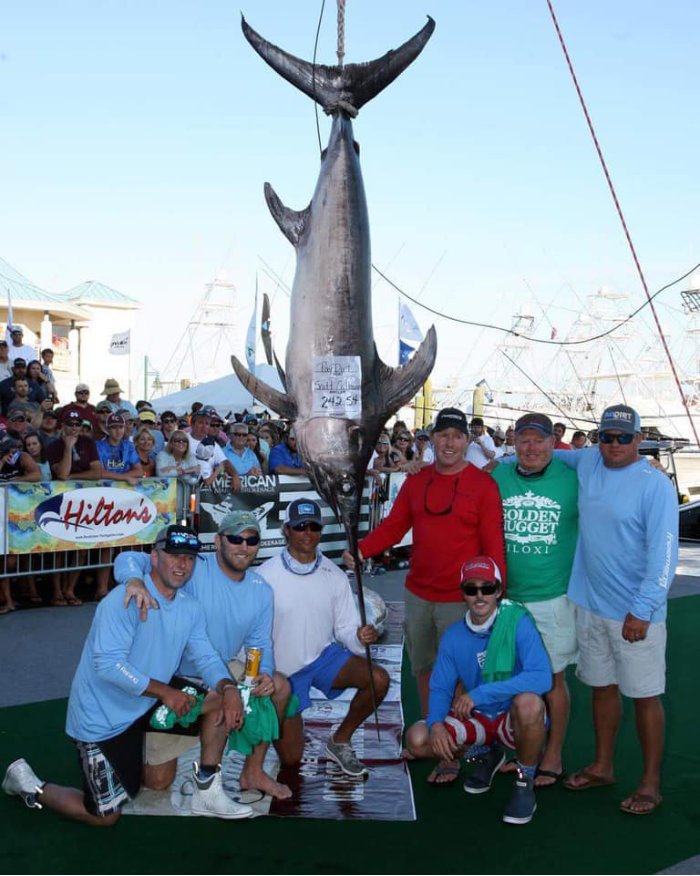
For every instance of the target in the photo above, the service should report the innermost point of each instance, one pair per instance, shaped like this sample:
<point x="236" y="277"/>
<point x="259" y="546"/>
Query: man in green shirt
<point x="540" y="518"/>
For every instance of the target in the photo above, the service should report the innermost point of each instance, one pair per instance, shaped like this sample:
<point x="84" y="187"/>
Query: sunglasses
<point x="307" y="526"/>
<point x="608" y="438"/>
<point x="168" y="420"/>
<point x="239" y="434"/>
<point x="444" y="511"/>
<point x="250" y="540"/>
<point x="476" y="589"/>
<point x="180" y="441"/>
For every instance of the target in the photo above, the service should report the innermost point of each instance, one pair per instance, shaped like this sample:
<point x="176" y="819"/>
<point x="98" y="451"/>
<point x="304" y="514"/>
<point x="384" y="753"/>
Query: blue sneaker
<point x="487" y="765"/>
<point x="522" y="805"/>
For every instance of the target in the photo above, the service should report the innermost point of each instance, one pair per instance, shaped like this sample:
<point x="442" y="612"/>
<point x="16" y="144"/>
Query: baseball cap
<point x="115" y="420"/>
<point x="541" y="422"/>
<point x="236" y="522"/>
<point x="178" y="539"/>
<point x="7" y="443"/>
<point x="146" y="416"/>
<point x="16" y="330"/>
<point x="19" y="362"/>
<point x="82" y="387"/>
<point x="72" y="418"/>
<point x="451" y="418"/>
<point x="50" y="413"/>
<point x="499" y="433"/>
<point x="301" y="510"/>
<point x="481" y="567"/>
<point x="421" y="433"/>
<point x="621" y="418"/>
<point x="104" y="406"/>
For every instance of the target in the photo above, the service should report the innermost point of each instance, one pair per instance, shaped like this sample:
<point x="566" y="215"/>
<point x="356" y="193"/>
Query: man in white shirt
<point x="18" y="349"/>
<point x="481" y="450"/>
<point x="317" y="637"/>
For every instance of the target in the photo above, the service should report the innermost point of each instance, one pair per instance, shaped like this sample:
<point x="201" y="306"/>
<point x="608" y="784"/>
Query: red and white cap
<point x="483" y="568"/>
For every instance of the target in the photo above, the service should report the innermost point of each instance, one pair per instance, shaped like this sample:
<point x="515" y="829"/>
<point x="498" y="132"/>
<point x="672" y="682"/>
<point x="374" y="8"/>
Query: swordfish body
<point x="331" y="308"/>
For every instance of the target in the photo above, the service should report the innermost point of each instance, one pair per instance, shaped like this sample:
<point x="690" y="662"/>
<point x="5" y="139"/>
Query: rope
<point x="341" y="32"/>
<point x="622" y="220"/>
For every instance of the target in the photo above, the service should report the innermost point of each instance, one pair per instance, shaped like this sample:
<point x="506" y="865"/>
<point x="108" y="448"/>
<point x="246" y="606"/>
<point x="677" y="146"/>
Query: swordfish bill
<point x="331" y="355"/>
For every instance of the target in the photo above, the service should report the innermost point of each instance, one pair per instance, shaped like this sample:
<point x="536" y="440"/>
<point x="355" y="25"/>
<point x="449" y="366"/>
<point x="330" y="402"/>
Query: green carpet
<point x="571" y="833"/>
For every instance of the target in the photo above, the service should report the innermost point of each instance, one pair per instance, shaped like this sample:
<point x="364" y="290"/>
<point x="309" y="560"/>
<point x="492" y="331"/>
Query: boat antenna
<point x="622" y="220"/>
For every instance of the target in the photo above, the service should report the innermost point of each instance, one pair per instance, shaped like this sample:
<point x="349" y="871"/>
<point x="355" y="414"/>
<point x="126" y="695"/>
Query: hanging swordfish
<point x="338" y="392"/>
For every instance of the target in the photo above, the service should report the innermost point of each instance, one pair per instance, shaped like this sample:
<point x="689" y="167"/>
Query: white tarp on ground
<point x="225" y="394"/>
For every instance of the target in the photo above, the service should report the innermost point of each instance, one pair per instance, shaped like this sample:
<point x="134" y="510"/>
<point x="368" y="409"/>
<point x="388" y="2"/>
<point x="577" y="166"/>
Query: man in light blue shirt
<point x="126" y="672"/>
<point x="624" y="565"/>
<point x="242" y="457"/>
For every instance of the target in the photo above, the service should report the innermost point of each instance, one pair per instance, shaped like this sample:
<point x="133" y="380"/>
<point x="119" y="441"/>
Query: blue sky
<point x="137" y="137"/>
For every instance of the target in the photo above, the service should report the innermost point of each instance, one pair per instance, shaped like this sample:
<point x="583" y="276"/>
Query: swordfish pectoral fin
<point x="399" y="385"/>
<point x="280" y="403"/>
<point x="291" y="222"/>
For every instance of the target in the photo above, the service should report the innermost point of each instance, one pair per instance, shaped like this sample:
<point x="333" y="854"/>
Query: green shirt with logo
<point x="540" y="517"/>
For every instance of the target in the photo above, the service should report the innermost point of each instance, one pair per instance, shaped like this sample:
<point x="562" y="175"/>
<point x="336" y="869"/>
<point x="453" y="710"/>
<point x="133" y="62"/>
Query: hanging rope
<point x="341" y="32"/>
<point x="622" y="220"/>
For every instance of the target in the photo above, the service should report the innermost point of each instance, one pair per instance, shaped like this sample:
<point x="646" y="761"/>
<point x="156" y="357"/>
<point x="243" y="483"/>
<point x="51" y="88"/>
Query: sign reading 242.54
<point x="60" y="514"/>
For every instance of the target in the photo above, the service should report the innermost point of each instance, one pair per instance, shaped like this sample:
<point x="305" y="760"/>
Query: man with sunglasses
<point x="238" y="607"/>
<point x="318" y="638"/>
<point x="455" y="511"/>
<point x="486" y="690"/>
<point x="74" y="455"/>
<point x="239" y="454"/>
<point x="624" y="566"/>
<point x="126" y="673"/>
<point x="82" y="404"/>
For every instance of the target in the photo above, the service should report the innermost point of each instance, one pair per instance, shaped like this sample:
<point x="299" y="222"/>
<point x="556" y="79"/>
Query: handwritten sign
<point x="337" y="386"/>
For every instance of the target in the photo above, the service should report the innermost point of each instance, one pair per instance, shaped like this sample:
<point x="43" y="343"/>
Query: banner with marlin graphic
<point x="56" y="515"/>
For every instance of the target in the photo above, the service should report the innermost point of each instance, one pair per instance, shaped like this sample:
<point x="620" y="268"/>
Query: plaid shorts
<point x="103" y="792"/>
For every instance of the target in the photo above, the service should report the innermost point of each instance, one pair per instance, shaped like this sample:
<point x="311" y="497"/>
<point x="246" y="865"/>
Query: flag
<point x="265" y="331"/>
<point x="120" y="344"/>
<point x="410" y="334"/>
<point x="250" y="337"/>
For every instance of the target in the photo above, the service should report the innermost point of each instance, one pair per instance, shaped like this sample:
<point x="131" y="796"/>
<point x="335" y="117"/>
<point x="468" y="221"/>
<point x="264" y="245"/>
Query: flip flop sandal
<point x="654" y="802"/>
<point x="591" y="780"/>
<point x="58" y="601"/>
<point x="548" y="774"/>
<point x="446" y="769"/>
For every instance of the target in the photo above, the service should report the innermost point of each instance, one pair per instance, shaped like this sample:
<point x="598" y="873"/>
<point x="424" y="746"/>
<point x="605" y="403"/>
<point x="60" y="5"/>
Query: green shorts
<point x="424" y="625"/>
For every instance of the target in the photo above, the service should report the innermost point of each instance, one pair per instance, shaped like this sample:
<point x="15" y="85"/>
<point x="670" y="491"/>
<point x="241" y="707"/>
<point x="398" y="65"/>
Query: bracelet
<point x="225" y="686"/>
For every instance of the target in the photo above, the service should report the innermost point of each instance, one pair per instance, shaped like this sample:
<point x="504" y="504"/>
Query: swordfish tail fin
<point x="280" y="403"/>
<point x="340" y="88"/>
<point x="399" y="385"/>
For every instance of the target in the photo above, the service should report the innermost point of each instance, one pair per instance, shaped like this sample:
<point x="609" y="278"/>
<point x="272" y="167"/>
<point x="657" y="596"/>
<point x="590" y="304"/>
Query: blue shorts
<point x="320" y="674"/>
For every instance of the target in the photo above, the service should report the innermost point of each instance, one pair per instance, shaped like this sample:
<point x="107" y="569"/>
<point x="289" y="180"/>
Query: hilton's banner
<point x="62" y="515"/>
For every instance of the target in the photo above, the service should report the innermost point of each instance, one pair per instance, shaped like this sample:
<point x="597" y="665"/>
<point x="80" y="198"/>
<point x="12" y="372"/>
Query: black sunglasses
<point x="168" y="420"/>
<point x="444" y="510"/>
<point x="250" y="540"/>
<point x="307" y="526"/>
<point x="608" y="438"/>
<point x="475" y="589"/>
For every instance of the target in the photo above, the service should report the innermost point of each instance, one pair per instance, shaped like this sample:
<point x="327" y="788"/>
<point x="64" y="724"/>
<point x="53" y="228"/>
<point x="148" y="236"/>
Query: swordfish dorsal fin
<point x="335" y="88"/>
<point x="291" y="222"/>
<point x="399" y="385"/>
<point x="280" y="403"/>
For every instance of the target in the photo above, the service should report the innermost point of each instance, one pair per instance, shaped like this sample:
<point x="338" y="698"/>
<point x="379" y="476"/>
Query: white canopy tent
<point x="226" y="394"/>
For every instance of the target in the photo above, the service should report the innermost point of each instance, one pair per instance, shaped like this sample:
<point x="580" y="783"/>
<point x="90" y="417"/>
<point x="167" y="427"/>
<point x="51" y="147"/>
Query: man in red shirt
<point x="559" y="432"/>
<point x="456" y="514"/>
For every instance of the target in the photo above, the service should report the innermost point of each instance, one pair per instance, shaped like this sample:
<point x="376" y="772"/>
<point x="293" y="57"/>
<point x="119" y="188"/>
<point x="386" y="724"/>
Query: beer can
<point x="252" y="665"/>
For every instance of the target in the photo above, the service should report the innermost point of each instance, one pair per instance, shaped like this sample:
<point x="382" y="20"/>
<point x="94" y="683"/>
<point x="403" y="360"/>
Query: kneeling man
<point x="486" y="690"/>
<point x="125" y="673"/>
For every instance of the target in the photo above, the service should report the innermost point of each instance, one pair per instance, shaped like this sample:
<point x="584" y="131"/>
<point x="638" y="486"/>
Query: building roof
<point x="93" y="292"/>
<point x="22" y="289"/>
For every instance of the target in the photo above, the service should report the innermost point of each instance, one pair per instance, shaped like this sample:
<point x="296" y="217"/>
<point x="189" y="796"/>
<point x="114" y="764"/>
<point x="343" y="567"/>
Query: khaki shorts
<point x="161" y="748"/>
<point x="638" y="668"/>
<point x="424" y="625"/>
<point x="556" y="621"/>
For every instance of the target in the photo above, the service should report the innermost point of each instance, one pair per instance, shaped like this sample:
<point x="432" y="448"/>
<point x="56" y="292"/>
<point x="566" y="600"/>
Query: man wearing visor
<point x="486" y="690"/>
<point x="126" y="673"/>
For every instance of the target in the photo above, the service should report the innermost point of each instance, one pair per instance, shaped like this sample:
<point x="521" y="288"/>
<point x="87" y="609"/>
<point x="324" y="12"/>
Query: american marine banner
<point x="267" y="496"/>
<point x="77" y="515"/>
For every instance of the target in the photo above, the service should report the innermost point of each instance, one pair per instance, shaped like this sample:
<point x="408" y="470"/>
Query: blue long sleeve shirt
<point x="461" y="655"/>
<point x="628" y="537"/>
<point x="238" y="614"/>
<point x="122" y="654"/>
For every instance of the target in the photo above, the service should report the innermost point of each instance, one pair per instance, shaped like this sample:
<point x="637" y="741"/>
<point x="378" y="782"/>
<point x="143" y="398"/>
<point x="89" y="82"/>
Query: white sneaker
<point x="21" y="781"/>
<point x="210" y="799"/>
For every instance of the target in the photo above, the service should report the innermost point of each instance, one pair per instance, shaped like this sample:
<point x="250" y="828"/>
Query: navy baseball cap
<point x="451" y="418"/>
<point x="178" y="539"/>
<point x="541" y="422"/>
<point x="301" y="510"/>
<point x="621" y="418"/>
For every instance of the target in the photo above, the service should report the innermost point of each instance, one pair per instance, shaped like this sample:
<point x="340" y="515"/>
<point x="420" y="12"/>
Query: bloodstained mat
<point x="319" y="788"/>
